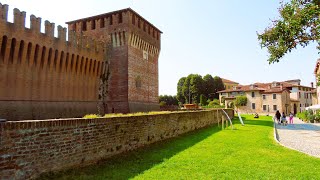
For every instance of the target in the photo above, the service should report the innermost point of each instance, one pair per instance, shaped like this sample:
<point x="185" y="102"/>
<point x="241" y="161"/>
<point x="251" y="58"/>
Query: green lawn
<point x="248" y="152"/>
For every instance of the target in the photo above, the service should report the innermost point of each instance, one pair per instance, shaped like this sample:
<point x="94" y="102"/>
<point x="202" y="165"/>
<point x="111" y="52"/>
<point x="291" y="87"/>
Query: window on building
<point x="264" y="107"/>
<point x="275" y="107"/>
<point x="120" y="17"/>
<point x="299" y="94"/>
<point x="253" y="105"/>
<point x="274" y="96"/>
<point x="263" y="96"/>
<point x="252" y="94"/>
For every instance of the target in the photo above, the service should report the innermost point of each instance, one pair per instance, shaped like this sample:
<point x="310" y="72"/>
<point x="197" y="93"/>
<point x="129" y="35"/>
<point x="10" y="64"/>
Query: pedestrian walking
<point x="291" y="118"/>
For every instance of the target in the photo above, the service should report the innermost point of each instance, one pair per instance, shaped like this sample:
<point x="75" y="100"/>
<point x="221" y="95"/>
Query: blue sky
<point x="200" y="37"/>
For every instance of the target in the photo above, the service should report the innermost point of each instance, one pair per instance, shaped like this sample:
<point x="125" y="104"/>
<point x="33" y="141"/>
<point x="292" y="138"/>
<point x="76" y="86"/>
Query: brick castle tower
<point x="133" y="84"/>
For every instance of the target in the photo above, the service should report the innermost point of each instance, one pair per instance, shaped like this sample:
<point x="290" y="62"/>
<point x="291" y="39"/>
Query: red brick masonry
<point x="29" y="148"/>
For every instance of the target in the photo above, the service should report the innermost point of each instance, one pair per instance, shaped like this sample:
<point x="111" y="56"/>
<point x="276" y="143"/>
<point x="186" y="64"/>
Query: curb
<point x="276" y="138"/>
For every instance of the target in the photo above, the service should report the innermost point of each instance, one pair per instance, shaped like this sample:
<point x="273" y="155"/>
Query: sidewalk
<point x="301" y="136"/>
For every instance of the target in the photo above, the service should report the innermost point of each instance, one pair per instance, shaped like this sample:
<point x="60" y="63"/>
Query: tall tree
<point x="180" y="95"/>
<point x="208" y="86"/>
<point x="192" y="88"/>
<point x="298" y="25"/>
<point x="218" y="86"/>
<point x="196" y="87"/>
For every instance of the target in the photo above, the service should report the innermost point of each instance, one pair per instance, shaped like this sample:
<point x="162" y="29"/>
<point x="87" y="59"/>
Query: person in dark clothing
<point x="278" y="116"/>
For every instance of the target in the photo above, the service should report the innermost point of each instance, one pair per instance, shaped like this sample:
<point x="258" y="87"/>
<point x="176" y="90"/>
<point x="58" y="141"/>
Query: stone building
<point x="42" y="76"/>
<point x="267" y="98"/>
<point x="228" y="84"/>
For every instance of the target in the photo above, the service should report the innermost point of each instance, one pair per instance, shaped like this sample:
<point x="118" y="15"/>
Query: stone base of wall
<point x="143" y="107"/>
<point x="20" y="110"/>
<point x="29" y="148"/>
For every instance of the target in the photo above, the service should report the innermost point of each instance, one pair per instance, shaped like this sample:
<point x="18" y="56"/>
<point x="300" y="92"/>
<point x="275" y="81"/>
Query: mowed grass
<point x="247" y="152"/>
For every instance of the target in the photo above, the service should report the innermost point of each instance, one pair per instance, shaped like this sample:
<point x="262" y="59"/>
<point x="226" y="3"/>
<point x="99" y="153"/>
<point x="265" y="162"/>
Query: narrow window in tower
<point x="94" y="67"/>
<point x="61" y="61"/>
<point x="90" y="64"/>
<point x="56" y="53"/>
<point x="72" y="61"/>
<point x="110" y="20"/>
<point x="144" y="26"/>
<point x="49" y="58"/>
<point x="81" y="65"/>
<point x="98" y="68"/>
<point x="93" y="24"/>
<point x="84" y="25"/>
<point x="20" y="53"/>
<point x="29" y="53"/>
<point x="74" y="27"/>
<point x="139" y="23"/>
<point x="120" y="17"/>
<point x="102" y="68"/>
<point x="133" y="20"/>
<point x="67" y="62"/>
<point x="102" y="23"/>
<point x="124" y="38"/>
<point x="43" y="54"/>
<point x="3" y="47"/>
<point x="36" y="55"/>
<point x="77" y="62"/>
<point x="120" y="39"/>
<point x="138" y="82"/>
<point x="12" y="49"/>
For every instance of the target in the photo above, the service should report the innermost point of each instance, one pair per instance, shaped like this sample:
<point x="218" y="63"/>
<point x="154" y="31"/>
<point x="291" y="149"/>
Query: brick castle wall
<point x="29" y="148"/>
<point x="44" y="76"/>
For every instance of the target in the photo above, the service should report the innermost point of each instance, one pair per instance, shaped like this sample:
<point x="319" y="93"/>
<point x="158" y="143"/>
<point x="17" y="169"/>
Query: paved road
<point x="304" y="137"/>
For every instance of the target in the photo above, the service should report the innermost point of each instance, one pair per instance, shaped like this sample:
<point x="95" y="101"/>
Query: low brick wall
<point x="29" y="148"/>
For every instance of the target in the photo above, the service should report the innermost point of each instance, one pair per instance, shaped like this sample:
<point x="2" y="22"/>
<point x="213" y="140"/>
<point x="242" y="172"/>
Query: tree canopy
<point x="168" y="100"/>
<point x="298" y="25"/>
<point x="206" y="86"/>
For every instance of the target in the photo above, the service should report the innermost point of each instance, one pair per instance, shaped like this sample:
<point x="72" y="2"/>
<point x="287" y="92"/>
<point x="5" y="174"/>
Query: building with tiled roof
<point x="228" y="84"/>
<point x="287" y="96"/>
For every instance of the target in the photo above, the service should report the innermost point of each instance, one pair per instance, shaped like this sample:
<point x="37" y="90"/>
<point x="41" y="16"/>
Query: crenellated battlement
<point x="4" y="12"/>
<point x="19" y="22"/>
<point x="35" y="23"/>
<point x="19" y="18"/>
<point x="49" y="28"/>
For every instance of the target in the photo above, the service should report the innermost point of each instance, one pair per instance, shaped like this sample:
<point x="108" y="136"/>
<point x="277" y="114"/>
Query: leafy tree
<point x="180" y="95"/>
<point x="196" y="87"/>
<point x="218" y="86"/>
<point x="240" y="101"/>
<point x="208" y="86"/>
<point x="194" y="84"/>
<point x="203" y="100"/>
<point x="186" y="89"/>
<point x="168" y="100"/>
<point x="298" y="25"/>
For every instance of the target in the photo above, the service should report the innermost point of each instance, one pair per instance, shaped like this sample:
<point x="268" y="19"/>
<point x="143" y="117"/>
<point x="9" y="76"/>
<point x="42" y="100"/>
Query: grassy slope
<point x="248" y="152"/>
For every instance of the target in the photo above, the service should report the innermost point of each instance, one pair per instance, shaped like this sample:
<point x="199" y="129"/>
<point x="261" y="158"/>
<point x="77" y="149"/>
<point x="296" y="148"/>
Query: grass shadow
<point x="131" y="164"/>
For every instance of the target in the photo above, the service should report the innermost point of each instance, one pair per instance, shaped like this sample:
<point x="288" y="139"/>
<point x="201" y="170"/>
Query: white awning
<point x="314" y="107"/>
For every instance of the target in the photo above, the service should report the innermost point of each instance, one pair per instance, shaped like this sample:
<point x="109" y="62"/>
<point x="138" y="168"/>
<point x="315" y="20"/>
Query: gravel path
<point x="300" y="136"/>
